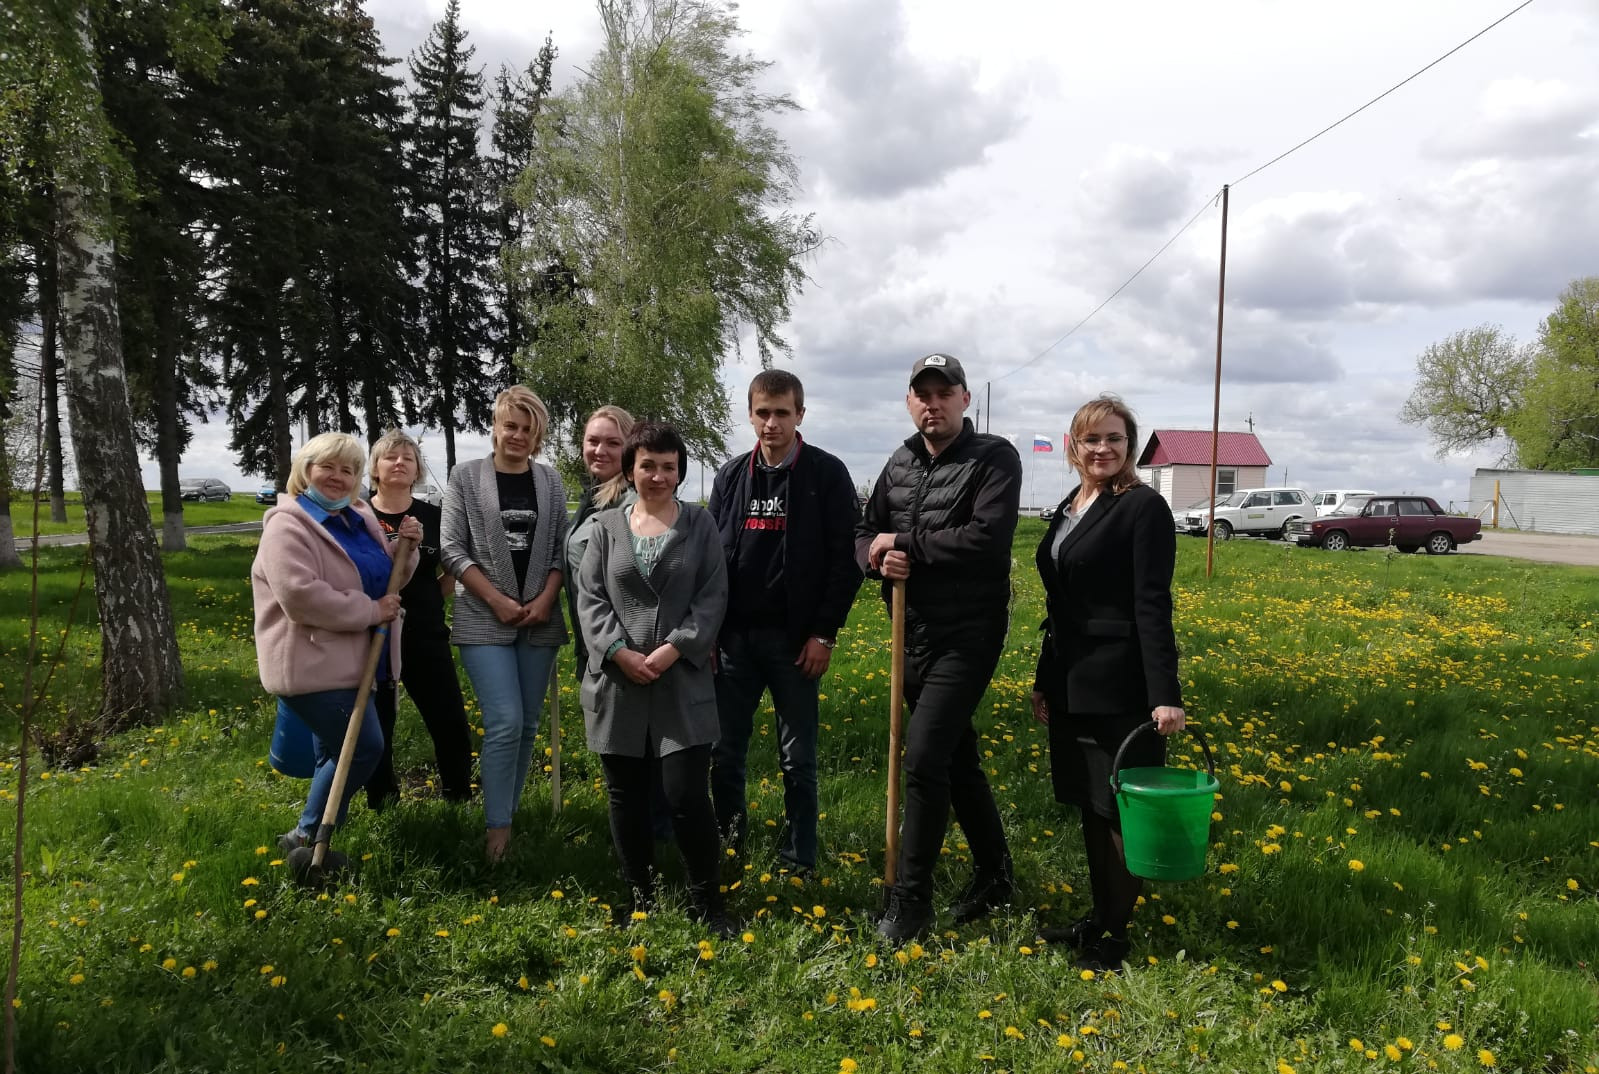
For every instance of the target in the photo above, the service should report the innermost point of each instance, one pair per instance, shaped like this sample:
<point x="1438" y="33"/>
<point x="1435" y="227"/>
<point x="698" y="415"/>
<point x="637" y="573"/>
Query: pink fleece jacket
<point x="311" y="616"/>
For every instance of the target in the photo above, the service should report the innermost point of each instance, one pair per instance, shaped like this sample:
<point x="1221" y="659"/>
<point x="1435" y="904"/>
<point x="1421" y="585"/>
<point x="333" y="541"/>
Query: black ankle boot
<point x="640" y="899"/>
<point x="907" y="918"/>
<point x="988" y="891"/>
<point x="706" y="907"/>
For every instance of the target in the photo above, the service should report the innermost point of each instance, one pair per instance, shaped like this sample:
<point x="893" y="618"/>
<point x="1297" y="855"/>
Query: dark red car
<point x="1407" y="522"/>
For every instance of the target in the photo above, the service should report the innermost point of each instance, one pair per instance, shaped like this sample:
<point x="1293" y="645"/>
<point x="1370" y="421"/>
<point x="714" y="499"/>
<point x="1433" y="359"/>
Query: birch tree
<point x="665" y="231"/>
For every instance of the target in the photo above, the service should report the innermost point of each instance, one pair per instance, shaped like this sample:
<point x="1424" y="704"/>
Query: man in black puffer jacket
<point x="942" y="516"/>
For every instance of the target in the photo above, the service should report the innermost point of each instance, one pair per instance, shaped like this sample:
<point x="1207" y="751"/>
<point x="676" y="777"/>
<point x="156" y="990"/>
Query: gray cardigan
<point x="472" y="535"/>
<point x="681" y="602"/>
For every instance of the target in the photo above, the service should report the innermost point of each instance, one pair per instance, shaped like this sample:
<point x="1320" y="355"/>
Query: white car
<point x="1331" y="500"/>
<point x="1256" y="512"/>
<point x="1179" y="517"/>
<point x="428" y="494"/>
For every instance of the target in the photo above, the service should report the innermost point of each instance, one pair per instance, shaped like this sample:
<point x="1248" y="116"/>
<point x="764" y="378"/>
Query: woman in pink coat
<point x="319" y="581"/>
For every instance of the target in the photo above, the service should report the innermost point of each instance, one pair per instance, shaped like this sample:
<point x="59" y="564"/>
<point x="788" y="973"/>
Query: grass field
<point x="1403" y="875"/>
<point x="242" y="508"/>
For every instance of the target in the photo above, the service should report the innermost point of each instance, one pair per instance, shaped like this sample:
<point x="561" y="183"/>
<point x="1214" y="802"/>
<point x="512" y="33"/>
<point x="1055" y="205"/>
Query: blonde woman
<point x="319" y="581"/>
<point x="605" y="486"/>
<point x="430" y="681"/>
<point x="504" y="534"/>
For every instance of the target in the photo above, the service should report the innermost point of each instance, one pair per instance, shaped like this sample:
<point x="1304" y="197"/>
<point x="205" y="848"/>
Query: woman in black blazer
<point x="1109" y="658"/>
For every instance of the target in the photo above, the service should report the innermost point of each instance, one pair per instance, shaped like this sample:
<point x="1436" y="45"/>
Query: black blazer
<point x="1109" y="648"/>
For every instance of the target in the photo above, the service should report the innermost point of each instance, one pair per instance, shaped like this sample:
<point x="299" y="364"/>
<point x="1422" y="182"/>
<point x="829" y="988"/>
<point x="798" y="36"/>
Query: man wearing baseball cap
<point x="941" y="517"/>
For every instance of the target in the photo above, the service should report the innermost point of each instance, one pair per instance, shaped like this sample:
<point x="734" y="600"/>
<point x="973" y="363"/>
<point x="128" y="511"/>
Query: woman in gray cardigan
<point x="651" y="593"/>
<point x="504" y="531"/>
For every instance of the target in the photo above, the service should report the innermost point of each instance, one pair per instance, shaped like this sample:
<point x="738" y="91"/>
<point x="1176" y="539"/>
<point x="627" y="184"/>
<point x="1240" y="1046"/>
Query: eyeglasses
<point x="1113" y="440"/>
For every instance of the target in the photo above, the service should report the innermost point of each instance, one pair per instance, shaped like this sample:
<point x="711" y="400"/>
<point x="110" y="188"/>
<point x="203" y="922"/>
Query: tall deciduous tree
<point x="667" y="197"/>
<point x="449" y="184"/>
<point x="1468" y="387"/>
<point x="1558" y="425"/>
<point x="141" y="677"/>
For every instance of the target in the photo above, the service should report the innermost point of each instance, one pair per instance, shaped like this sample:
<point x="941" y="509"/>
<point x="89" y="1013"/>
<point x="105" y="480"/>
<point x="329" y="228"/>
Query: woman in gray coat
<point x="503" y="535"/>
<point x="651" y="593"/>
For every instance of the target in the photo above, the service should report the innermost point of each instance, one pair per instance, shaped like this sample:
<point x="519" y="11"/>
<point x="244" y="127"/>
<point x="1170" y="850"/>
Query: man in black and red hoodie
<point x="787" y="513"/>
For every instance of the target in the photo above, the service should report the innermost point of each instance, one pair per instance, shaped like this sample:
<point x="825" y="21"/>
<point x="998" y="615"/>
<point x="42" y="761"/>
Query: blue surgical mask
<point x="323" y="502"/>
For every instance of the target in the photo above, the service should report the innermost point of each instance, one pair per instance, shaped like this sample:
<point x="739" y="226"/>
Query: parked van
<point x="1329" y="501"/>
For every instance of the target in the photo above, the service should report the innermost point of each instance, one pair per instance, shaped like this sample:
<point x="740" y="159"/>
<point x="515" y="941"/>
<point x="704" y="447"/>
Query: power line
<point x="1383" y="94"/>
<point x="1210" y="203"/>
<point x="1279" y="157"/>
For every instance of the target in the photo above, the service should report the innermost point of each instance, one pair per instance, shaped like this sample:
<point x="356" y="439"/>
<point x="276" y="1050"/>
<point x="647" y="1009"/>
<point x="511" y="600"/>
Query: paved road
<point x="61" y="539"/>
<point x="1543" y="547"/>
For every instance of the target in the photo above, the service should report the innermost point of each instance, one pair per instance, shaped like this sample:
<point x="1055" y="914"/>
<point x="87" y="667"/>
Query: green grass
<point x="1408" y="839"/>
<point x="242" y="508"/>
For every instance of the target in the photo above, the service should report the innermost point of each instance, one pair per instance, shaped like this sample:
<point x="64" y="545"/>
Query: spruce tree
<point x="457" y="243"/>
<point x="518" y="98"/>
<point x="161" y="259"/>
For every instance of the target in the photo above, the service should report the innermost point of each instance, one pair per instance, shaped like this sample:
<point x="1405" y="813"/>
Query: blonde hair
<point x="387" y="444"/>
<point x="324" y="447"/>
<point x="520" y="397"/>
<point x="1091" y="414"/>
<point x="611" y="489"/>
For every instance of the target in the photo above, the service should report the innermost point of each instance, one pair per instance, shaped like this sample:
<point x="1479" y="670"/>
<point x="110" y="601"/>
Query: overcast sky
<point x="988" y="174"/>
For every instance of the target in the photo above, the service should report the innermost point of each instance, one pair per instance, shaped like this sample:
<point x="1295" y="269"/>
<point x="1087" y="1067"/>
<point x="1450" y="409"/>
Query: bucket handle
<point x="1116" y="766"/>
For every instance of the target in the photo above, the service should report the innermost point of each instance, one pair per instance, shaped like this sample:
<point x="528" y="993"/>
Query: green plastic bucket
<point x="1165" y="813"/>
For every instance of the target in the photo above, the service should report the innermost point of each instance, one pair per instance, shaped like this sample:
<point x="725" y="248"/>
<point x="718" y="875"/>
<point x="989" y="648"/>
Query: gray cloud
<point x="889" y="121"/>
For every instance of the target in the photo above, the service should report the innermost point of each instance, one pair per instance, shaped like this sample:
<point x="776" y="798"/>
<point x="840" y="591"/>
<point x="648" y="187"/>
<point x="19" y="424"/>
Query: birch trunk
<point x="49" y="382"/>
<point x="140" y="674"/>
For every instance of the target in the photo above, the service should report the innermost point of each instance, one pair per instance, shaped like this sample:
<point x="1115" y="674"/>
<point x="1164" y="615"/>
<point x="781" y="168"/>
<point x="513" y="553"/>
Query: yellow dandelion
<point x="169" y="963"/>
<point x="75" y="979"/>
<point x="279" y="981"/>
<point x="1356" y="865"/>
<point x="748" y="937"/>
<point x="847" y="1065"/>
<point x="189" y="971"/>
<point x="1392" y="1052"/>
<point x="547" y="1040"/>
<point x="1279" y="986"/>
<point x="1454" y="1042"/>
<point x="500" y="1029"/>
<point x="1486" y="1058"/>
<point x="392" y="933"/>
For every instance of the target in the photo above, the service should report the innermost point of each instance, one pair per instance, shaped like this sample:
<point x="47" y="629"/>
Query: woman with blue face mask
<point x="319" y="580"/>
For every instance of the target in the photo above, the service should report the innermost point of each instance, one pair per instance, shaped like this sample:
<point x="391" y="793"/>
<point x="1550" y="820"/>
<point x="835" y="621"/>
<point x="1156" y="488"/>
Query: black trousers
<point x="685" y="783"/>
<point x="427" y="668"/>
<point x="945" y="678"/>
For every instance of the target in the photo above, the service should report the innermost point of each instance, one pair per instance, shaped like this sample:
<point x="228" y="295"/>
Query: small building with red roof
<point x="1176" y="464"/>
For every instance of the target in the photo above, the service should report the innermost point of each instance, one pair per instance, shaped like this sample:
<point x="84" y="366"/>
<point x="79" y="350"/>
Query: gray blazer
<point x="681" y="602"/>
<point x="471" y="535"/>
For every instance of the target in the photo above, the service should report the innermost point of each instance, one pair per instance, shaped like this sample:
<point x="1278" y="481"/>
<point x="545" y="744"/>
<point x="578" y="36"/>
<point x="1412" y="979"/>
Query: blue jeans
<point x="751" y="661"/>
<point x="510" y="682"/>
<point x="327" y="714"/>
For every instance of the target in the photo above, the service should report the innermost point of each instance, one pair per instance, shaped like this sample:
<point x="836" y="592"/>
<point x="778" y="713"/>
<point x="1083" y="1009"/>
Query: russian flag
<point x="1042" y="443"/>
